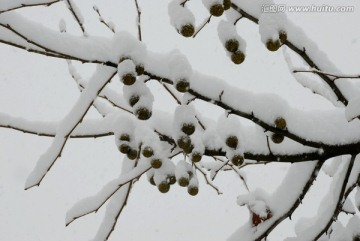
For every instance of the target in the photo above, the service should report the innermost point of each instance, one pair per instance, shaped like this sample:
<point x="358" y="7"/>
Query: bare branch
<point x="25" y="5"/>
<point x="202" y="26"/>
<point x="336" y="76"/>
<point x="207" y="180"/>
<point x="71" y="6"/>
<point x="138" y="19"/>
<point x="101" y="19"/>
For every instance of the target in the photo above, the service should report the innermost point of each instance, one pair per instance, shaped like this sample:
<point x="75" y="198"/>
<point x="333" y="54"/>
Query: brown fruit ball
<point x="188" y="128"/>
<point x="184" y="142"/>
<point x="232" y="141"/>
<point x="125" y="137"/>
<point x="133" y="100"/>
<point x="187" y="30"/>
<point x="143" y="113"/>
<point x="156" y="163"/>
<point x="277" y="138"/>
<point x="227" y="4"/>
<point x="152" y="181"/>
<point x="280" y="123"/>
<point x="282" y="36"/>
<point x="164" y="187"/>
<point x="196" y="157"/>
<point x="171" y="179"/>
<point x="140" y="69"/>
<point x="232" y="45"/>
<point x="356" y="238"/>
<point x="193" y="191"/>
<point x="237" y="160"/>
<point x="132" y="154"/>
<point x="128" y="79"/>
<point x="238" y="57"/>
<point x="217" y="10"/>
<point x="273" y="45"/>
<point x="148" y="152"/>
<point x="183" y="181"/>
<point x="124" y="148"/>
<point x="188" y="149"/>
<point x="182" y="86"/>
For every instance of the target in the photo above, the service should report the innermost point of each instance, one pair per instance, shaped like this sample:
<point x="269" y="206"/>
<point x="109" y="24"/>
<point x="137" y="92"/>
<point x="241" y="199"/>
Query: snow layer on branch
<point x="90" y="204"/>
<point x="270" y="25"/>
<point x="5" y="5"/>
<point x="308" y="228"/>
<point x="279" y="202"/>
<point x="179" y="15"/>
<point x="209" y="3"/>
<point x="67" y="125"/>
<point x="179" y="66"/>
<point x="352" y="110"/>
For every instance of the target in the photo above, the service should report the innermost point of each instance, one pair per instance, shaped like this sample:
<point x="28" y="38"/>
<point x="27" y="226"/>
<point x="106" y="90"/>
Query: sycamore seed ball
<point x="237" y="160"/>
<point x="148" y="152"/>
<point x="140" y="69"/>
<point x="188" y="149"/>
<point x="128" y="79"/>
<point x="232" y="45"/>
<point x="183" y="181"/>
<point x="217" y="10"/>
<point x="152" y="181"/>
<point x="273" y="45"/>
<point x="277" y="138"/>
<point x="193" y="191"/>
<point x="196" y="157"/>
<point x="280" y="123"/>
<point x="184" y="142"/>
<point x="133" y="100"/>
<point x="125" y="137"/>
<point x="171" y="179"/>
<point x="238" y="57"/>
<point x="132" y="154"/>
<point x="182" y="86"/>
<point x="282" y="36"/>
<point x="356" y="238"/>
<point x="187" y="30"/>
<point x="124" y="148"/>
<point x="143" y="113"/>
<point x="164" y="187"/>
<point x="232" y="141"/>
<point x="188" y="128"/>
<point x="227" y="4"/>
<point x="156" y="163"/>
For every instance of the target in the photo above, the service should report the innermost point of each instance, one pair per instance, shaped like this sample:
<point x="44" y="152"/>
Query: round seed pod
<point x="133" y="100"/>
<point x="124" y="137"/>
<point x="164" y="187"/>
<point x="187" y="30"/>
<point x="152" y="181"/>
<point x="183" y="181"/>
<point x="196" y="157"/>
<point x="273" y="45"/>
<point x="124" y="148"/>
<point x="356" y="238"/>
<point x="192" y="190"/>
<point x="182" y="86"/>
<point x="171" y="179"/>
<point x="188" y="149"/>
<point x="227" y="4"/>
<point x="143" y="113"/>
<point x="132" y="154"/>
<point x="238" y="57"/>
<point x="188" y="128"/>
<point x="237" y="160"/>
<point x="140" y="69"/>
<point x="148" y="152"/>
<point x="232" y="141"/>
<point x="282" y="36"/>
<point x="277" y="138"/>
<point x="280" y="123"/>
<point x="156" y="163"/>
<point x="217" y="10"/>
<point x="184" y="142"/>
<point x="232" y="45"/>
<point x="128" y="79"/>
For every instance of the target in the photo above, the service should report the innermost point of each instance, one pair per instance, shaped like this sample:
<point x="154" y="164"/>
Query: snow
<point x="6" y="5"/>
<point x="227" y="31"/>
<point x="180" y="16"/>
<point x="352" y="110"/>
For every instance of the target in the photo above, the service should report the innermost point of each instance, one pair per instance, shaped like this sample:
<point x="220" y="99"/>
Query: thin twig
<point x="202" y="26"/>
<point x="75" y="15"/>
<point x="184" y="2"/>
<point x="24" y="5"/>
<point x="207" y="180"/>
<point x="138" y="19"/>
<point x="336" y="76"/>
<point x="101" y="19"/>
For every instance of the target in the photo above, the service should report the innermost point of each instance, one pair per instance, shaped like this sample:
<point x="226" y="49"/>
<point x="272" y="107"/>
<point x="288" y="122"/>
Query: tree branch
<point x="25" y="5"/>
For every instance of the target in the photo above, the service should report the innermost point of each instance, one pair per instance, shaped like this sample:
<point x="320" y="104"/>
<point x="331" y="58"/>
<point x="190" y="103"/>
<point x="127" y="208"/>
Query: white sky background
<point x="40" y="88"/>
